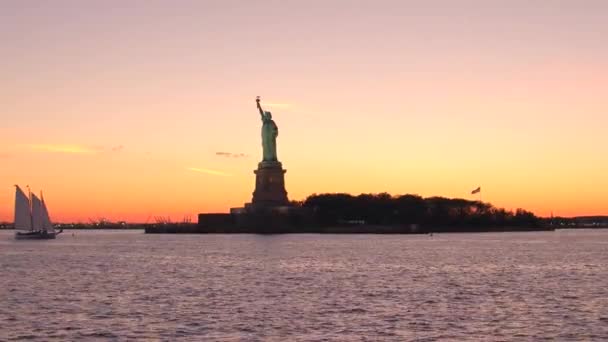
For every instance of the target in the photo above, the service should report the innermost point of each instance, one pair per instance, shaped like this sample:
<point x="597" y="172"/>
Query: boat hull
<point x="37" y="235"/>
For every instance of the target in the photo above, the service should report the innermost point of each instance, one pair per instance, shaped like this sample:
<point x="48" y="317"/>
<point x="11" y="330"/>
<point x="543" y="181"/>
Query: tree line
<point x="384" y="209"/>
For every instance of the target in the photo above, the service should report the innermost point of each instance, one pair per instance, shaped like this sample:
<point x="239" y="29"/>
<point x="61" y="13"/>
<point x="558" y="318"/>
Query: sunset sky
<point x="118" y="109"/>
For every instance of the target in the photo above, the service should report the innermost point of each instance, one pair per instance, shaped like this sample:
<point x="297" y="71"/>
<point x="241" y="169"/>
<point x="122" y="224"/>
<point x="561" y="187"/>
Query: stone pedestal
<point x="269" y="185"/>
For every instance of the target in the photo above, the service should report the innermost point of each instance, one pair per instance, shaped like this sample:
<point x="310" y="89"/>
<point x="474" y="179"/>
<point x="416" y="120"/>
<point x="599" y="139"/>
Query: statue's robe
<point x="270" y="131"/>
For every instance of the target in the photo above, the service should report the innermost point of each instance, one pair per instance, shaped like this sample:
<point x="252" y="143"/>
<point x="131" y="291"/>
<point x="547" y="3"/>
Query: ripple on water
<point x="127" y="285"/>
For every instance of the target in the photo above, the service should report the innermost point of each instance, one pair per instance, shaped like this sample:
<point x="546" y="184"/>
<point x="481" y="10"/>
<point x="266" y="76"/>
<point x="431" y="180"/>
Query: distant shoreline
<point x="328" y="230"/>
<point x="192" y="228"/>
<point x="132" y="228"/>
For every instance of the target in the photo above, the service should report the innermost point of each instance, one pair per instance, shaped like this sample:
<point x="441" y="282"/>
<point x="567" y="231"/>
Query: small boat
<point x="32" y="220"/>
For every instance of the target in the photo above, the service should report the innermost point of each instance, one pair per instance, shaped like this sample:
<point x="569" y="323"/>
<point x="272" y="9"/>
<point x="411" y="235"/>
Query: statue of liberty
<point x="270" y="132"/>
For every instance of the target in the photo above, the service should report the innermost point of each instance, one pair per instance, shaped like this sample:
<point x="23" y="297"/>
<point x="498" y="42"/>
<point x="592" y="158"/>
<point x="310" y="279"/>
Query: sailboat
<point x="32" y="217"/>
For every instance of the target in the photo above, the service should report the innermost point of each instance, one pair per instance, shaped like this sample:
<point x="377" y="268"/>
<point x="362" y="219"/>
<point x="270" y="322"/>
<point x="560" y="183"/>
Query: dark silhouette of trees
<point x="434" y="213"/>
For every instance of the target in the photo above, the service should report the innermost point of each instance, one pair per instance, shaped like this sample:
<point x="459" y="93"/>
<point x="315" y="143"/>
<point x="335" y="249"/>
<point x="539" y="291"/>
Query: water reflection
<point x="129" y="285"/>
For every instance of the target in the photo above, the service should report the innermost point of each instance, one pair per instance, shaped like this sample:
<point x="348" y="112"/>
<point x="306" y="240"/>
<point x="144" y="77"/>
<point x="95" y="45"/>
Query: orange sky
<point x="118" y="110"/>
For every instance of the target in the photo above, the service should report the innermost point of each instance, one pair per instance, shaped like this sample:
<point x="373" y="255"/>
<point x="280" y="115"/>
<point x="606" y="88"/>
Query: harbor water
<point x="126" y="285"/>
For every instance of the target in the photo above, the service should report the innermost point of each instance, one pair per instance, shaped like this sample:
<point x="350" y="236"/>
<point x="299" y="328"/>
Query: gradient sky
<point x="117" y="109"/>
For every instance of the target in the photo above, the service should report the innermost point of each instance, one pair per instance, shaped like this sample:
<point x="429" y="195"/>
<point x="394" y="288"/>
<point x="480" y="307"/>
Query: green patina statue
<point x="270" y="132"/>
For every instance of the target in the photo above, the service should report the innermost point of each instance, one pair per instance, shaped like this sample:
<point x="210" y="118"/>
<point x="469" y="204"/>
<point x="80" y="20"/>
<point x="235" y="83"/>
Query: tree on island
<point x="440" y="213"/>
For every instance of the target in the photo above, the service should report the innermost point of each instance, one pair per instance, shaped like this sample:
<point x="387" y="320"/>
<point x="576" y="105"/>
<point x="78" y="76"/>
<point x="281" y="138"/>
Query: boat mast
<point x="42" y="204"/>
<point x="29" y="191"/>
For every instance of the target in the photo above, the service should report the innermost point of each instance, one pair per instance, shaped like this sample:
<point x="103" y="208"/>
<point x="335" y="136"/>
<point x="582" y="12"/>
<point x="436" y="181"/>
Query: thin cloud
<point x="278" y="105"/>
<point x="58" y="148"/>
<point x="209" y="172"/>
<point x="117" y="148"/>
<point x="73" y="148"/>
<point x="231" y="155"/>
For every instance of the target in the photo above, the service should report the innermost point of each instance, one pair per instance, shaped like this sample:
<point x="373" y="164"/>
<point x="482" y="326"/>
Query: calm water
<point x="127" y="285"/>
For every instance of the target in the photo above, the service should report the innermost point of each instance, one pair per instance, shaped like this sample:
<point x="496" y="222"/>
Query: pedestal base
<point x="269" y="185"/>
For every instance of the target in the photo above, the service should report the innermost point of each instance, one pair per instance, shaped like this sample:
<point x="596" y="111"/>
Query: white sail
<point x="36" y="213"/>
<point x="46" y="220"/>
<point x="23" y="217"/>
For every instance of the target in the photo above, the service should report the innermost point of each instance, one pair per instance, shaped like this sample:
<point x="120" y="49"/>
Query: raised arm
<point x="260" y="107"/>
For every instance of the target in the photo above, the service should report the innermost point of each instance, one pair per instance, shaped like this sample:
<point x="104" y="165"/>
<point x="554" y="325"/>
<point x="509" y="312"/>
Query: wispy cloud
<point x="209" y="172"/>
<point x="73" y="148"/>
<point x="278" y="105"/>
<point x="231" y="155"/>
<point x="58" y="148"/>
<point x="117" y="148"/>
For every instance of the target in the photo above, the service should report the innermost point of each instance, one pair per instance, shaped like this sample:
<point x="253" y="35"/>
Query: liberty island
<point x="270" y="210"/>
